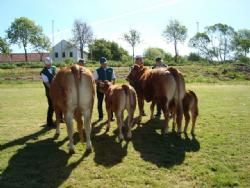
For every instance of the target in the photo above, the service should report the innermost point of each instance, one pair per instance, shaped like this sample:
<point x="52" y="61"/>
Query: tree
<point x="241" y="42"/>
<point x="4" y="46"/>
<point x="42" y="44"/>
<point x="221" y="36"/>
<point x="22" y="32"/>
<point x="202" y="43"/>
<point x="133" y="38"/>
<point x="82" y="35"/>
<point x="111" y="50"/>
<point x="152" y="53"/>
<point x="175" y="32"/>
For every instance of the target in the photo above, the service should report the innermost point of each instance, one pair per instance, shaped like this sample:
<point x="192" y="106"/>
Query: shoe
<point x="62" y="121"/>
<point x="100" y="119"/>
<point x="144" y="114"/>
<point x="51" y="125"/>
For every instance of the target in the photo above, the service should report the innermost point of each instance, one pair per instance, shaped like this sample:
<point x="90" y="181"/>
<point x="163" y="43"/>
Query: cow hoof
<point x="120" y="138"/>
<point x="56" y="135"/>
<point x="88" y="150"/>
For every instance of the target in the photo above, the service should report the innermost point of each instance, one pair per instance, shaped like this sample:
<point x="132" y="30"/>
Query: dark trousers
<point x="100" y="97"/>
<point x="50" y="112"/>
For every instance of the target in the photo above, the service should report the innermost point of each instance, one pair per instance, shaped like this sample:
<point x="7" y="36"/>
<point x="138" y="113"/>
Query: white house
<point x="65" y="50"/>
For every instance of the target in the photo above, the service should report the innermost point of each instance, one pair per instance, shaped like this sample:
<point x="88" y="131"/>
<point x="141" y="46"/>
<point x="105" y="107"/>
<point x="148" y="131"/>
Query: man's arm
<point x="45" y="80"/>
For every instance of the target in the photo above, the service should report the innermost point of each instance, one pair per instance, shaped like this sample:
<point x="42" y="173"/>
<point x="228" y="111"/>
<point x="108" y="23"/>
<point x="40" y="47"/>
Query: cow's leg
<point x="194" y="114"/>
<point x="87" y="127"/>
<point x="80" y="127"/>
<point x="58" y="117"/>
<point x="141" y="106"/>
<point x="130" y="122"/>
<point x="152" y="106"/>
<point x="118" y="116"/>
<point x="166" y="116"/>
<point x="187" y="120"/>
<point x="179" y="114"/>
<point x="109" y="111"/>
<point x="174" y="120"/>
<point x="69" y="123"/>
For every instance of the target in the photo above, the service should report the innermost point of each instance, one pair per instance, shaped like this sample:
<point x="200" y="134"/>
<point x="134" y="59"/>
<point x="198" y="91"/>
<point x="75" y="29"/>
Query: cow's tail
<point x="129" y="95"/>
<point x="194" y="96"/>
<point x="77" y="70"/>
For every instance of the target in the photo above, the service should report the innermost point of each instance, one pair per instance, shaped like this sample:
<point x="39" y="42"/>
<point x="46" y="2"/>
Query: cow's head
<point x="135" y="74"/>
<point x="104" y="86"/>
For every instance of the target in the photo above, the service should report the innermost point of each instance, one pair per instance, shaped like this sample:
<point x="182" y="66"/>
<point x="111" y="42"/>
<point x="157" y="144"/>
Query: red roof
<point x="20" y="57"/>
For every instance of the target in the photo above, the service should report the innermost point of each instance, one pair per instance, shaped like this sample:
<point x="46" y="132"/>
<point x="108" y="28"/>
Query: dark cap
<point x="158" y="59"/>
<point x="103" y="60"/>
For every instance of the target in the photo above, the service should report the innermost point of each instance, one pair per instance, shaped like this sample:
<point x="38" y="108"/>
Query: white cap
<point x="48" y="61"/>
<point x="138" y="57"/>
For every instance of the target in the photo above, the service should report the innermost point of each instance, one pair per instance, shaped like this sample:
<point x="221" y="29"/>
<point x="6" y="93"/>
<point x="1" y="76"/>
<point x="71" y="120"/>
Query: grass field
<point x="218" y="156"/>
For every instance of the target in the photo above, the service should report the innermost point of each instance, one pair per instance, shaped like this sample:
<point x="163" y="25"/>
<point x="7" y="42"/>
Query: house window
<point x="56" y="54"/>
<point x="70" y="54"/>
<point x="63" y="54"/>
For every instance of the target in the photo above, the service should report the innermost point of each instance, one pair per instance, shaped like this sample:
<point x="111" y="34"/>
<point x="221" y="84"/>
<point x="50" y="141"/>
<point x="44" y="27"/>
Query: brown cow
<point x="159" y="86"/>
<point x="119" y="98"/>
<point x="190" y="104"/>
<point x="72" y="92"/>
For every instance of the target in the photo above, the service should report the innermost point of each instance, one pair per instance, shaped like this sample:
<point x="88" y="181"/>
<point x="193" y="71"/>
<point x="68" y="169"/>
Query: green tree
<point x="221" y="36"/>
<point x="82" y="35"/>
<point x="41" y="44"/>
<point x="241" y="42"/>
<point x="175" y="32"/>
<point x="202" y="43"/>
<point x="152" y="53"/>
<point x="133" y="38"/>
<point x="22" y="32"/>
<point x="111" y="50"/>
<point x="4" y="46"/>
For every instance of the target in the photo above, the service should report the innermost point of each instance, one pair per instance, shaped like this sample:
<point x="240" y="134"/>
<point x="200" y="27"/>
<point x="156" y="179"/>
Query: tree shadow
<point x="23" y="140"/>
<point x="39" y="164"/>
<point x="164" y="151"/>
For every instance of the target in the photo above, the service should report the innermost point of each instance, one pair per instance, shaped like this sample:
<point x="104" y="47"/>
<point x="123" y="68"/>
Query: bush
<point x="7" y="66"/>
<point x="193" y="57"/>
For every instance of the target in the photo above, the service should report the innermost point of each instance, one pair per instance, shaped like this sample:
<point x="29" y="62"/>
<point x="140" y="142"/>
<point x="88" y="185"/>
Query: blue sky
<point x="111" y="18"/>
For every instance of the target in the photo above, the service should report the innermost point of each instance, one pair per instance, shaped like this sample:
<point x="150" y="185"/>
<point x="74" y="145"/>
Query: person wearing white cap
<point x="47" y="74"/>
<point x="139" y="60"/>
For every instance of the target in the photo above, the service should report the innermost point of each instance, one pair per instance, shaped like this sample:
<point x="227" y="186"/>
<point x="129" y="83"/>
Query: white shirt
<point x="44" y="77"/>
<point x="96" y="77"/>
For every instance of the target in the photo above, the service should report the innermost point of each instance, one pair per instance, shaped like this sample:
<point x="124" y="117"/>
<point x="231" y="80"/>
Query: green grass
<point x="219" y="155"/>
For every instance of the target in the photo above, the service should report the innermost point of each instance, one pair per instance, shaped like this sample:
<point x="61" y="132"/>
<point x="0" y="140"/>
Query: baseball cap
<point x="138" y="57"/>
<point x="158" y="59"/>
<point x="48" y="61"/>
<point x="103" y="60"/>
<point x="81" y="61"/>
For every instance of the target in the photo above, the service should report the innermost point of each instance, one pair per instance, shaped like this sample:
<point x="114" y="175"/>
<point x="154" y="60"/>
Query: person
<point x="139" y="60"/>
<point x="81" y="62"/>
<point x="101" y="74"/>
<point x="158" y="64"/>
<point x="47" y="74"/>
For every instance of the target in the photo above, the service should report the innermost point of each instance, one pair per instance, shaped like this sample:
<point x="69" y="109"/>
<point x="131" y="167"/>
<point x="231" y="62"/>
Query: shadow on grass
<point x="164" y="151"/>
<point x="23" y="140"/>
<point x="39" y="164"/>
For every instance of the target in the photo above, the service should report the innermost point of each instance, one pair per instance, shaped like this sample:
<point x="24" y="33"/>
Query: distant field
<point x="219" y="155"/>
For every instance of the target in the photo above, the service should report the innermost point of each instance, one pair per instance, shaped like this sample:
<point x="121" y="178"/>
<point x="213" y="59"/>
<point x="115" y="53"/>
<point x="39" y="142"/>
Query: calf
<point x="190" y="105"/>
<point x="119" y="98"/>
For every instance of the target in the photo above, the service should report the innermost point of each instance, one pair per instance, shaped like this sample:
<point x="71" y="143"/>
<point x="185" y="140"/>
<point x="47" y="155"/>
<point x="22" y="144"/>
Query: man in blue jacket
<point x="101" y="74"/>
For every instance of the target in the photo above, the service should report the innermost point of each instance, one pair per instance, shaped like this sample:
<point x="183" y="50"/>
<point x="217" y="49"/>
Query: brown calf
<point x="119" y="98"/>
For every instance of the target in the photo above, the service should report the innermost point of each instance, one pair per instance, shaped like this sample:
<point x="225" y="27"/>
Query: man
<point x="81" y="62"/>
<point x="158" y="64"/>
<point x="139" y="60"/>
<point x="47" y="75"/>
<point x="101" y="74"/>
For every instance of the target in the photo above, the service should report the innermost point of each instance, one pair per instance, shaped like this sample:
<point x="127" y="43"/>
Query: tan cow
<point x="159" y="86"/>
<point x="119" y="98"/>
<point x="72" y="92"/>
<point x="190" y="105"/>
